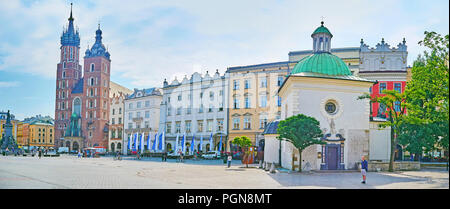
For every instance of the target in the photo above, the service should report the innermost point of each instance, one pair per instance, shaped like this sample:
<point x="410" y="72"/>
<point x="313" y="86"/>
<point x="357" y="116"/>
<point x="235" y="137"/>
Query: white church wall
<point x="380" y="148"/>
<point x="271" y="149"/>
<point x="356" y="145"/>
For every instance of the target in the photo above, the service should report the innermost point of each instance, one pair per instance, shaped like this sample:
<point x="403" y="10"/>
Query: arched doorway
<point x="113" y="147"/>
<point x="119" y="146"/>
<point x="75" y="146"/>
<point x="207" y="148"/>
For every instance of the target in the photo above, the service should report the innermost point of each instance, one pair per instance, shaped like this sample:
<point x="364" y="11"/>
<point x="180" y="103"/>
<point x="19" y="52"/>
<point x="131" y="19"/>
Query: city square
<point x="70" y="172"/>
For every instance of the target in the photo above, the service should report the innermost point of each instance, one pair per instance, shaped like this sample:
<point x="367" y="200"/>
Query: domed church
<point x="322" y="86"/>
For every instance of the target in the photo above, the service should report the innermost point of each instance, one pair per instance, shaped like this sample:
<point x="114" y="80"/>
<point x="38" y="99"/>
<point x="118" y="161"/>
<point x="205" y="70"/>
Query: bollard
<point x="272" y="168"/>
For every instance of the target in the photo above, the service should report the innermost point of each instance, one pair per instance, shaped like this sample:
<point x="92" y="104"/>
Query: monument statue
<point x="8" y="139"/>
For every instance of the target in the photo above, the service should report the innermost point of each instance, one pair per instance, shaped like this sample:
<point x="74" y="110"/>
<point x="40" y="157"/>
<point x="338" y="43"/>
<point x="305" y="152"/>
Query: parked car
<point x="63" y="149"/>
<point x="211" y="155"/>
<point x="173" y="154"/>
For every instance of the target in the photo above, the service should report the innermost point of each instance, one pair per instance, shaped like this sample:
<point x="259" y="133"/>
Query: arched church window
<point x="106" y="69"/>
<point x="92" y="67"/>
<point x="77" y="106"/>
<point x="64" y="64"/>
<point x="64" y="74"/>
<point x="91" y="81"/>
<point x="71" y="53"/>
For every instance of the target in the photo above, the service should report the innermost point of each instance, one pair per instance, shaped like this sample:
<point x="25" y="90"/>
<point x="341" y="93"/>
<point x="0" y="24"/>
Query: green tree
<point x="395" y="107"/>
<point x="243" y="142"/>
<point x="302" y="131"/>
<point x="427" y="94"/>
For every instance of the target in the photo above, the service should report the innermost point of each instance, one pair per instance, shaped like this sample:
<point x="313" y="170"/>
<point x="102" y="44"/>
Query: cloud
<point x="8" y="84"/>
<point x="153" y="40"/>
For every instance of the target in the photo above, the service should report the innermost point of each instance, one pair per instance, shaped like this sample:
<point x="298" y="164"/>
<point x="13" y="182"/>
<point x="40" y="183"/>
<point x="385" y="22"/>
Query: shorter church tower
<point x="97" y="64"/>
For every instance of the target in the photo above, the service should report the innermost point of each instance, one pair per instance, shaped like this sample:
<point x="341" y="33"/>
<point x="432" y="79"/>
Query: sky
<point x="153" y="40"/>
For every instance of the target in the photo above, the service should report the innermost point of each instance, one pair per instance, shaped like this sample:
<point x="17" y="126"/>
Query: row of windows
<point x="113" y="121"/>
<point x="263" y="83"/>
<point x="247" y="102"/>
<point x="64" y="72"/>
<point x="138" y="115"/>
<point x="200" y="126"/>
<point x="92" y="68"/>
<point x="138" y="125"/>
<point x="248" y="123"/>
<point x="201" y="94"/>
<point x="382" y="86"/>
<point x="201" y="109"/>
<point x="139" y="104"/>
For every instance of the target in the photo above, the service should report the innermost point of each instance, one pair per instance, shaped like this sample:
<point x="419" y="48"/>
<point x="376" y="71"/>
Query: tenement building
<point x="117" y="96"/>
<point x="195" y="107"/>
<point x="387" y="65"/>
<point x="141" y="114"/>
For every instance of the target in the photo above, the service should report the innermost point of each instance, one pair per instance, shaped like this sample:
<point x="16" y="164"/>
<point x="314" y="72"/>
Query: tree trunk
<point x="391" y="160"/>
<point x="300" y="160"/>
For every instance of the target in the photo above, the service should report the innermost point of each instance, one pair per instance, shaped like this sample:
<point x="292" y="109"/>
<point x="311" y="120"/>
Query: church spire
<point x="70" y="37"/>
<point x="71" y="18"/>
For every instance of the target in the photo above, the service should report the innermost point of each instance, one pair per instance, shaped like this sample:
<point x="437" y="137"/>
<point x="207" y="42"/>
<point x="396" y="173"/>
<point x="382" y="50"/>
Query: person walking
<point x="364" y="169"/>
<point x="40" y="153"/>
<point x="79" y="154"/>
<point x="229" y="160"/>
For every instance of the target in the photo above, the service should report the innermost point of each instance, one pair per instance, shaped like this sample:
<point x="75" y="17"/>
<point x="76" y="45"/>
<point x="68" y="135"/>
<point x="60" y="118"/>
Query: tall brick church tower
<point x="82" y="99"/>
<point x="96" y="91"/>
<point x="67" y="75"/>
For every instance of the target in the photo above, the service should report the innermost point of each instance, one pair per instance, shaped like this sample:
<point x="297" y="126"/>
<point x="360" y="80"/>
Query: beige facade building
<point x="253" y="100"/>
<point x="117" y="95"/>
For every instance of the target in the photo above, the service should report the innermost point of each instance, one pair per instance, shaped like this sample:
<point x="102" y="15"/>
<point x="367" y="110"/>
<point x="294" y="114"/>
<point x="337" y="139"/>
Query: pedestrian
<point x="40" y="153"/>
<point x="181" y="157"/>
<point x="229" y="160"/>
<point x="79" y="154"/>
<point x="364" y="169"/>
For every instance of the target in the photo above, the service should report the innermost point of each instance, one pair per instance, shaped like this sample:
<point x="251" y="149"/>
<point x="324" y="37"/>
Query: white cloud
<point x="7" y="84"/>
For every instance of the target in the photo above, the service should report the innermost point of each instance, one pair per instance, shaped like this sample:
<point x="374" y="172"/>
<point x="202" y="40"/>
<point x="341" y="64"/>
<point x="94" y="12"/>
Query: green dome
<point x="322" y="29"/>
<point x="323" y="63"/>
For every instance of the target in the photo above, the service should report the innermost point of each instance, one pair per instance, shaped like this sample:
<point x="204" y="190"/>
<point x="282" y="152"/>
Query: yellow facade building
<point x="41" y="134"/>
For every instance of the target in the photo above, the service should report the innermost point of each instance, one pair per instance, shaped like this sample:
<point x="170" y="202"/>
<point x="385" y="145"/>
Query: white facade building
<point x="195" y="106"/>
<point x="142" y="109"/>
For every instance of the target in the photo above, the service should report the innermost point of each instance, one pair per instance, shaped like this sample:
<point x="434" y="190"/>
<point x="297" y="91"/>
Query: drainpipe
<point x="279" y="154"/>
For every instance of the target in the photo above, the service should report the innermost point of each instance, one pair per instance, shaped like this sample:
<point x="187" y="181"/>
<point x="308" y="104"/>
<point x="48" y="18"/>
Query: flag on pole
<point x="192" y="144"/>
<point x="183" y="140"/>
<point x="220" y="144"/>
<point x="135" y="141"/>
<point x="160" y="142"/>
<point x="129" y="142"/>
<point x="154" y="142"/>
<point x="163" y="141"/>
<point x="142" y="142"/>
<point x="148" y="141"/>
<point x="176" y="144"/>
<point x="201" y="143"/>
<point x="211" y="145"/>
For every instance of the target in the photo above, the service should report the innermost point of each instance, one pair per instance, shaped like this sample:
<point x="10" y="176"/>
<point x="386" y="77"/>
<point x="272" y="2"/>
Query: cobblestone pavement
<point x="106" y="173"/>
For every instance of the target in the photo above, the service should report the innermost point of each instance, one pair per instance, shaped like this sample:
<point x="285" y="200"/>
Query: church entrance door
<point x="332" y="157"/>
